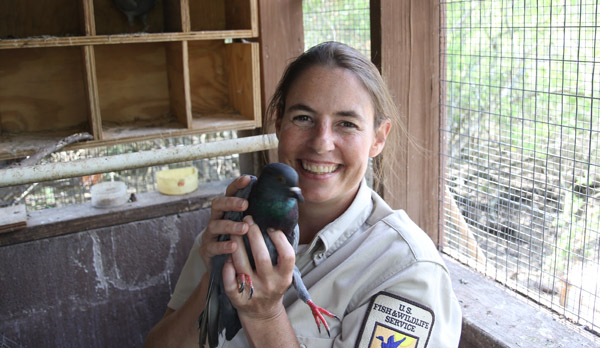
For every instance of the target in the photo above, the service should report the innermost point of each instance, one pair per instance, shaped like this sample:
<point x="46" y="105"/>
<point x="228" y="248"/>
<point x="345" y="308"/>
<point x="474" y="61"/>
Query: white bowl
<point x="109" y="194"/>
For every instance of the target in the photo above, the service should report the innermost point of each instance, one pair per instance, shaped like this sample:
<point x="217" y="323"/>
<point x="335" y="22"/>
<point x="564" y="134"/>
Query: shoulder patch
<point x="393" y="321"/>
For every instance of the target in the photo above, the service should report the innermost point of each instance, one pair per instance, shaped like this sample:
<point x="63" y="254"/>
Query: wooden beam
<point x="405" y="46"/>
<point x="281" y="35"/>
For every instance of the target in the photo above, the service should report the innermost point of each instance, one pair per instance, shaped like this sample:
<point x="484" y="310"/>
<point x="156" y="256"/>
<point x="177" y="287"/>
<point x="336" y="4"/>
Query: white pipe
<point x="63" y="170"/>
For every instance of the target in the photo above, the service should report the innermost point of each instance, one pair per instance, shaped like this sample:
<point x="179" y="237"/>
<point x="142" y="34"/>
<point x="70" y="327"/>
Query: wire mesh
<point x="520" y="132"/>
<point x="345" y="21"/>
<point x="58" y="193"/>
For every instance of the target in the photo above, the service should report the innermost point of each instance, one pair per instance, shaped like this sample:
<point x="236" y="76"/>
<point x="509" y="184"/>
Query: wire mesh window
<point x="521" y="128"/>
<point x="63" y="192"/>
<point x="345" y="21"/>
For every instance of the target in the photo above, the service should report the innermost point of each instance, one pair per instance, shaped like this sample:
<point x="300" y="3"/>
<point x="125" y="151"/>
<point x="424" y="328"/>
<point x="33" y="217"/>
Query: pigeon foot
<point x="318" y="315"/>
<point x="244" y="279"/>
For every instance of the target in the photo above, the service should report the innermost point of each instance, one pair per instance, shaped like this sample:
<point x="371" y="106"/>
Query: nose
<point x="322" y="138"/>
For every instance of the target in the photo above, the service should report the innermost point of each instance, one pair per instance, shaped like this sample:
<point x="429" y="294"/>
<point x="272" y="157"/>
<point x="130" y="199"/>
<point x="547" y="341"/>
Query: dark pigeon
<point x="136" y="8"/>
<point x="272" y="203"/>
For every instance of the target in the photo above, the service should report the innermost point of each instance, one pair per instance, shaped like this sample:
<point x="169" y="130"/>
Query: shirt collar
<point x="333" y="235"/>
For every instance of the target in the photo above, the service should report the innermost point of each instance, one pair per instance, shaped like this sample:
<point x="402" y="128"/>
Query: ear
<point x="381" y="134"/>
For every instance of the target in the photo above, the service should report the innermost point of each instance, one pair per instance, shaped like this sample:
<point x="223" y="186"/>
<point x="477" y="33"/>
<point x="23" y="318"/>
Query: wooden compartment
<point x="32" y="18"/>
<point x="69" y="66"/>
<point x="133" y="90"/>
<point x="42" y="97"/>
<point x="223" y="15"/>
<point x="109" y="20"/>
<point x="224" y="85"/>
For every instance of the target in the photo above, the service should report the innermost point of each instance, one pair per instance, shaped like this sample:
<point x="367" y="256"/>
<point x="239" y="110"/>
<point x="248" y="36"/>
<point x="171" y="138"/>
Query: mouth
<point x="319" y="168"/>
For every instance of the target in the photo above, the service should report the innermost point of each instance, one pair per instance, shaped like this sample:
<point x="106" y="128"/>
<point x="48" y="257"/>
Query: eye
<point x="348" y="124"/>
<point x="302" y="118"/>
<point x="281" y="179"/>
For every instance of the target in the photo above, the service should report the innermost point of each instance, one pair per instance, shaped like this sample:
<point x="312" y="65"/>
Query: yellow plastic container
<point x="177" y="181"/>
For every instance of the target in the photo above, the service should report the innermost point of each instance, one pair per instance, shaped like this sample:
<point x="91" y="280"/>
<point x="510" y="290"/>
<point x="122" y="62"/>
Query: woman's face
<point x="327" y="134"/>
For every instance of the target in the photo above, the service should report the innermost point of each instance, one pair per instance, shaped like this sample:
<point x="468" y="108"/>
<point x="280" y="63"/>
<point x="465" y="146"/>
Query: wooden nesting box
<point x="69" y="66"/>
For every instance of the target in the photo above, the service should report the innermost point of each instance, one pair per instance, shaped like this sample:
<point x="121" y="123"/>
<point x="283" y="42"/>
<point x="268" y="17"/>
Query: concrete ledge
<point x="492" y="317"/>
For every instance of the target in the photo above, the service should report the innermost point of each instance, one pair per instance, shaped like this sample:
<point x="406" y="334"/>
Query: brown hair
<point x="335" y="54"/>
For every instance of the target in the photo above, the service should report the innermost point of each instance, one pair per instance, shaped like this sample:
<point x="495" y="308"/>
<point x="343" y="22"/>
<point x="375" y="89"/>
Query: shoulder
<point x="396" y="225"/>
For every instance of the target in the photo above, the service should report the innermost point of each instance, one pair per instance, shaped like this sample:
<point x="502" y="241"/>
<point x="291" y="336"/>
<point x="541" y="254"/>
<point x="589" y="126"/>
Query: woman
<point x="361" y="260"/>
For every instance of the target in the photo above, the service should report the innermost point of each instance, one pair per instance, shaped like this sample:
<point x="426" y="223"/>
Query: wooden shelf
<point x="30" y="18"/>
<point x="91" y="75"/>
<point x="54" y="41"/>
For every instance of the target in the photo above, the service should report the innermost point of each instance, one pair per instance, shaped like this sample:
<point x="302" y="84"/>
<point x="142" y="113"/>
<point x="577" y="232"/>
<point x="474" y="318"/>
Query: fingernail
<point x="240" y="228"/>
<point x="230" y="245"/>
<point x="271" y="230"/>
<point x="248" y="220"/>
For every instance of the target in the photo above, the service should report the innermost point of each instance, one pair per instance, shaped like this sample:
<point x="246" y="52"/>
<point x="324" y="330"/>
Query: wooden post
<point x="281" y="36"/>
<point x="405" y="47"/>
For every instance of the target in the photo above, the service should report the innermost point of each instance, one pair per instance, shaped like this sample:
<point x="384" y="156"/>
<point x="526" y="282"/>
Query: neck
<point x="314" y="216"/>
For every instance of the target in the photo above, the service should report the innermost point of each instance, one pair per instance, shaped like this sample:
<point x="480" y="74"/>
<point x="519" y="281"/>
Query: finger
<point x="262" y="258"/>
<point x="240" y="257"/>
<point x="219" y="248"/>
<point x="218" y="227"/>
<point x="237" y="184"/>
<point x="229" y="277"/>
<point x="220" y="205"/>
<point x="286" y="254"/>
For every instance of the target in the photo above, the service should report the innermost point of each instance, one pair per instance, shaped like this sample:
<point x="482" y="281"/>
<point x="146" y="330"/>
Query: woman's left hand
<point x="270" y="281"/>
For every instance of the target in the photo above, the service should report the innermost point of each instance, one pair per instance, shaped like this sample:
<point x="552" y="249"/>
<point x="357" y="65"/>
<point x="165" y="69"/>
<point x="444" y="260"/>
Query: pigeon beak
<point x="297" y="193"/>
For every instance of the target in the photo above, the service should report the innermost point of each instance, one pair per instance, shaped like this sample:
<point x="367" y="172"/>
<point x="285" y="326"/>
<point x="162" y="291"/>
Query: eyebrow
<point x="304" y="107"/>
<point x="301" y="107"/>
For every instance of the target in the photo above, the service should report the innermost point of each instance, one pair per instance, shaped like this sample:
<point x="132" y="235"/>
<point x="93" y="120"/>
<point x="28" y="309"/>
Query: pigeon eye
<point x="281" y="179"/>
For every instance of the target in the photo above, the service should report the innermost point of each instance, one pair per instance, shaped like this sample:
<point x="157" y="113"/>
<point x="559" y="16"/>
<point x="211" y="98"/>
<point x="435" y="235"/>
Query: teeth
<point x="319" y="169"/>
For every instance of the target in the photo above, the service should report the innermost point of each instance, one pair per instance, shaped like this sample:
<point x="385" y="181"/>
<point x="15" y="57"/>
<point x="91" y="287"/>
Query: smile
<point x="319" y="168"/>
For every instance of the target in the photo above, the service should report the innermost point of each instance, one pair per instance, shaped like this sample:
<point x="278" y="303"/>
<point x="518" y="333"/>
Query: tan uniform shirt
<point x="375" y="269"/>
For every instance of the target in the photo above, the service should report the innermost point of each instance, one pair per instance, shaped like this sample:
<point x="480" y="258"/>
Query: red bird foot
<point x="244" y="279"/>
<point x="318" y="314"/>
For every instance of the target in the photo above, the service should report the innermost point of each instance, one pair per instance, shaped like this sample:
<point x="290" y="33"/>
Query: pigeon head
<point x="284" y="178"/>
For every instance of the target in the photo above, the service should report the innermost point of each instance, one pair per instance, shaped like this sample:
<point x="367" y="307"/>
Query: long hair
<point x="335" y="54"/>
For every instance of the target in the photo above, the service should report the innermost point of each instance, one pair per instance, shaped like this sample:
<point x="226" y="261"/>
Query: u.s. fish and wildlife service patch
<point x="392" y="321"/>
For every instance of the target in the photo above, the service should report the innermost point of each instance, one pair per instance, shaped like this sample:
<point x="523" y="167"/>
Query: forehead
<point x="330" y="89"/>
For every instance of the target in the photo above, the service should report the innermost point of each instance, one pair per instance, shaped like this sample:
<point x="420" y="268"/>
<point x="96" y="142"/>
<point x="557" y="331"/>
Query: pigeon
<point x="135" y="8"/>
<point x="273" y="203"/>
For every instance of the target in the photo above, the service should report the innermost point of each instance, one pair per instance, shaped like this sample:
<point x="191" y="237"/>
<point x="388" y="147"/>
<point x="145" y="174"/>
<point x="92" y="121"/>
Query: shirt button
<point x="303" y="346"/>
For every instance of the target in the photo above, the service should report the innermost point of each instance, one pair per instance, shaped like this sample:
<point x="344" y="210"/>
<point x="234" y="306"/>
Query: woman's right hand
<point x="209" y="246"/>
